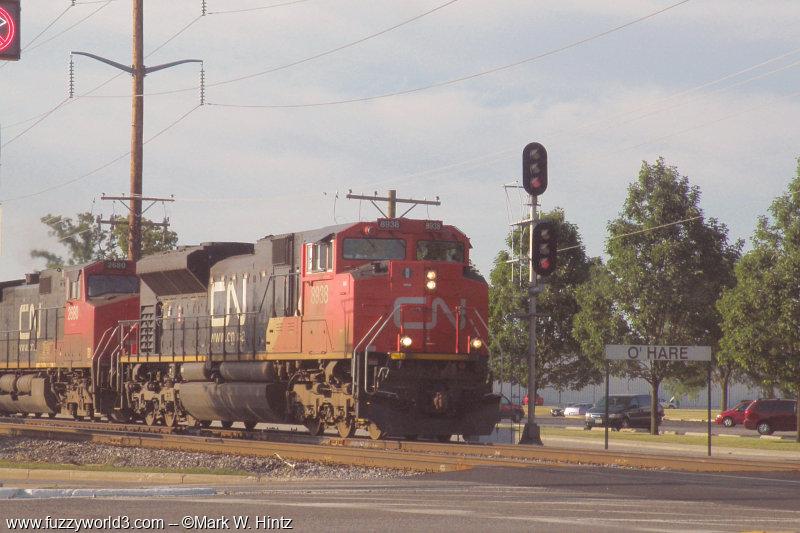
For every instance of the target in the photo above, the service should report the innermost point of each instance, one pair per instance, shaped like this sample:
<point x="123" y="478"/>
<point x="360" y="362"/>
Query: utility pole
<point x="137" y="71"/>
<point x="391" y="202"/>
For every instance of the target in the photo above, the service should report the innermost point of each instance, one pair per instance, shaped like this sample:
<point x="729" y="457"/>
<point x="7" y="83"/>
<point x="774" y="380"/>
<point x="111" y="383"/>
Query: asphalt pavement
<point x="504" y="499"/>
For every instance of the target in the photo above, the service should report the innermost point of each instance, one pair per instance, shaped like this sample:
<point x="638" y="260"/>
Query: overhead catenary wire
<point x="436" y="85"/>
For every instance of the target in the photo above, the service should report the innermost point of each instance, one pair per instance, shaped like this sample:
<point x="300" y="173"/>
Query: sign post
<point x="651" y="353"/>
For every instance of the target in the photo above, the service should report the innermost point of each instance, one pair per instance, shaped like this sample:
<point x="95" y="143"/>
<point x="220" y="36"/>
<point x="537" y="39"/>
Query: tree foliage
<point x="667" y="267"/>
<point x="86" y="240"/>
<point x="559" y="362"/>
<point x="761" y="314"/>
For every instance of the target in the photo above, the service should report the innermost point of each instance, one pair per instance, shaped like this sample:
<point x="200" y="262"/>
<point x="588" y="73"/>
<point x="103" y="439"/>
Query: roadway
<point x="506" y="499"/>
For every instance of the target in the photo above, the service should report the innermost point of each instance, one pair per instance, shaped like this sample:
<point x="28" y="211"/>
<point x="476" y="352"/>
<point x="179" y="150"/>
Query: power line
<point x="49" y="25"/>
<point x="68" y="28"/>
<point x="300" y="61"/>
<point x="668" y="224"/>
<point x="105" y="165"/>
<point x="452" y="81"/>
<point x="256" y="8"/>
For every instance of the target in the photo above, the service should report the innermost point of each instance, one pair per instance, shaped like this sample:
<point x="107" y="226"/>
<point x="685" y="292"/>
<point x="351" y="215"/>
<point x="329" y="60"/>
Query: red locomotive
<point x="380" y="325"/>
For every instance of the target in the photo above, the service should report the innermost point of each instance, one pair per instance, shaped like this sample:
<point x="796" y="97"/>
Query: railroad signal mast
<point x="542" y="249"/>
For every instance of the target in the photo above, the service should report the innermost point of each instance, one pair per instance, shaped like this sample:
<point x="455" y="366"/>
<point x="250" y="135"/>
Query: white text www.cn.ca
<point x="83" y="524"/>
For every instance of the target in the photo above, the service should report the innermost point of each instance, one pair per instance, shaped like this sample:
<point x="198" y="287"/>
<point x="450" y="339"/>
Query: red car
<point x="734" y="415"/>
<point x="539" y="400"/>
<point x="768" y="416"/>
<point x="510" y="410"/>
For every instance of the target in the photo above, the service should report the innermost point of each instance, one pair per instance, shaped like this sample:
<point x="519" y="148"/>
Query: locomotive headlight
<point x="430" y="274"/>
<point x="430" y="284"/>
<point x="406" y="342"/>
<point x="477" y="344"/>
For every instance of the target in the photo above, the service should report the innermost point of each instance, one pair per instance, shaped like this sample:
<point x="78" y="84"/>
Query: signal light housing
<point x="406" y="341"/>
<point x="9" y="30"/>
<point x="545" y="247"/>
<point x="534" y="169"/>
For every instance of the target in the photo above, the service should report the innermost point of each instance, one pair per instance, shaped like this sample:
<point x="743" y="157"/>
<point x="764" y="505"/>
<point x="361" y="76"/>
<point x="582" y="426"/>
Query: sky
<point x="709" y="85"/>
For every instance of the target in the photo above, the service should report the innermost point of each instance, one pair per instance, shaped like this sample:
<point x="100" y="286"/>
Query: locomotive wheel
<point x="412" y="436"/>
<point x="51" y="415"/>
<point x="170" y="419"/>
<point x="37" y="415"/>
<point x="315" y="426"/>
<point x="226" y="424"/>
<point x="346" y="428"/>
<point x="122" y="416"/>
<point x="250" y="425"/>
<point x="150" y="418"/>
<point x="204" y="423"/>
<point x="444" y="438"/>
<point x="375" y="432"/>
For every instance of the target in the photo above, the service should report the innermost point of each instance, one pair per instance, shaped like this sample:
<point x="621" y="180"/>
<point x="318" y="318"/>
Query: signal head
<point x="534" y="169"/>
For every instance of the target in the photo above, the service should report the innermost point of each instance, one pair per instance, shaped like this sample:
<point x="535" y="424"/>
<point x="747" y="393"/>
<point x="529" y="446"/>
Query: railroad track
<point x="412" y="455"/>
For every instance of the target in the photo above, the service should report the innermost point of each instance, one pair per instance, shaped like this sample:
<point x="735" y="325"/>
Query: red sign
<point x="9" y="30"/>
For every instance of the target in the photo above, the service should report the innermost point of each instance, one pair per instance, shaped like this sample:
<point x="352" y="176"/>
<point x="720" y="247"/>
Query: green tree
<point x="667" y="267"/>
<point x="559" y="362"/>
<point x="86" y="240"/>
<point x="761" y="314"/>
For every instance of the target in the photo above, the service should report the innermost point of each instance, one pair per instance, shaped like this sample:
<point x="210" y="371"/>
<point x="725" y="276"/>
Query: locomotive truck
<point x="377" y="325"/>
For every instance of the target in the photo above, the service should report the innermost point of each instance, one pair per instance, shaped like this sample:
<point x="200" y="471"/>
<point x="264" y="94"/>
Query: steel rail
<point x="422" y="456"/>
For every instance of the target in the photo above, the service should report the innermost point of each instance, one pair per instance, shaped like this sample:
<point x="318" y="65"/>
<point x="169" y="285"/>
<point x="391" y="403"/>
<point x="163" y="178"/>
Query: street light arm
<point x="120" y="66"/>
<point x="148" y="70"/>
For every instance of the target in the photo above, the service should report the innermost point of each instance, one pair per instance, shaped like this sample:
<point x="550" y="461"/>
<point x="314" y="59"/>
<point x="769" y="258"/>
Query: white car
<point x="577" y="409"/>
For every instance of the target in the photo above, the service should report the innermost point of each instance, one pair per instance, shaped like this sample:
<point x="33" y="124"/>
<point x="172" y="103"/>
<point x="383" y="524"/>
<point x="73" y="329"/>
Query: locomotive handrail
<point x="366" y="352"/>
<point x="354" y="363"/>
<point x="105" y="341"/>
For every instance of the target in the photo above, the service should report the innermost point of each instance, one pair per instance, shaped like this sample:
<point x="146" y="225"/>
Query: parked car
<point x="671" y="404"/>
<point x="734" y="415"/>
<point x="624" y="411"/>
<point x="557" y="411"/>
<point x="510" y="410"/>
<point x="577" y="409"/>
<point x="768" y="416"/>
<point x="539" y="400"/>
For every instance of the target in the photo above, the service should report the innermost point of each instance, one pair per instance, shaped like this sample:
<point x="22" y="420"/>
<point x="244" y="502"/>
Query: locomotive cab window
<point x="319" y="256"/>
<point x="100" y="285"/>
<point x="440" y="251"/>
<point x="374" y="249"/>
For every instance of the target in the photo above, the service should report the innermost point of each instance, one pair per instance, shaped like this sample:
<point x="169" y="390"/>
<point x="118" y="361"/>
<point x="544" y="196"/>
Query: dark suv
<point x="624" y="411"/>
<point x="768" y="416"/>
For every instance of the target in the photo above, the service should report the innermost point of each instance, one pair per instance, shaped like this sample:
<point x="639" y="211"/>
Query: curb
<point x="34" y="474"/>
<point x="40" y="494"/>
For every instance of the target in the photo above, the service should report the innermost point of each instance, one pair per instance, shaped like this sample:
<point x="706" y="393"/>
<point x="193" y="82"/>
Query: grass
<point x="725" y="442"/>
<point x="32" y="465"/>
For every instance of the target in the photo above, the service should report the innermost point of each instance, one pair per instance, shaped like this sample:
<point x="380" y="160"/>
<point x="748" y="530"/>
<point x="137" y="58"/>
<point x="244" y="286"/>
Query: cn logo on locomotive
<point x="438" y="304"/>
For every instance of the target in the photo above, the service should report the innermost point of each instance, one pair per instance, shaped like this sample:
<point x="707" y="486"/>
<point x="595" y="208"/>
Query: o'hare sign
<point x="634" y="352"/>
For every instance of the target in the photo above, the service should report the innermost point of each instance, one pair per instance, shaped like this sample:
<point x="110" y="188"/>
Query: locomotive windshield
<point x="440" y="251"/>
<point x="374" y="249"/>
<point x="100" y="285"/>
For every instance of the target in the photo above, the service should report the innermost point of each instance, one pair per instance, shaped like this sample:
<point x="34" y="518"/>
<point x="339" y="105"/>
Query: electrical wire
<point x="68" y="28"/>
<point x="256" y="8"/>
<point x="668" y="224"/>
<point x="447" y="82"/>
<point x="49" y="25"/>
<point x="102" y="167"/>
<point x="299" y="61"/>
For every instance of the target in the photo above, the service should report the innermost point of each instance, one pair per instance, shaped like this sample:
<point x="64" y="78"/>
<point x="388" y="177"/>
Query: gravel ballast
<point x="26" y="450"/>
